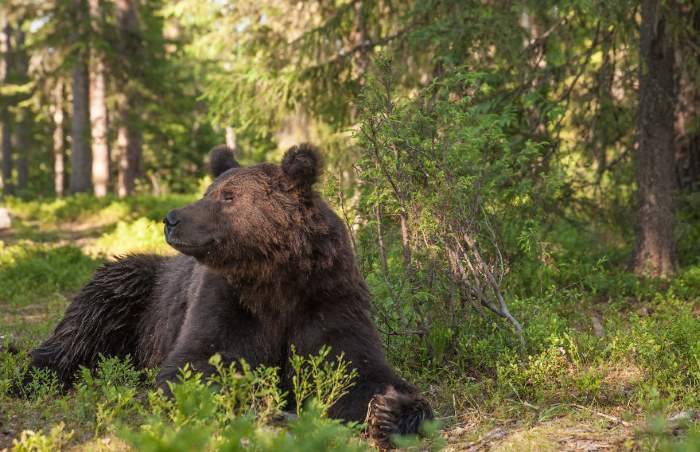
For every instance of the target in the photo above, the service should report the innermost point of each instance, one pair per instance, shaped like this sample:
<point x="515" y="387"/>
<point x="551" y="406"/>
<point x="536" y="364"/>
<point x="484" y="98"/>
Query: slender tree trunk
<point x="6" y="144"/>
<point x="383" y="261"/>
<point x="6" y="126"/>
<point x="688" y="133"/>
<point x="125" y="180"/>
<point x="360" y="40"/>
<point x="655" y="253"/>
<point x="129" y="134"/>
<point x="688" y="109"/>
<point x="81" y="165"/>
<point x="98" y="110"/>
<point x="129" y="145"/>
<point x="22" y="132"/>
<point x="22" y="129"/>
<point x="231" y="138"/>
<point x="58" y="141"/>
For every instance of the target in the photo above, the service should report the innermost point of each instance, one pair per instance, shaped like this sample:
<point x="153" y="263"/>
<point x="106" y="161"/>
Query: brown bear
<point x="265" y="266"/>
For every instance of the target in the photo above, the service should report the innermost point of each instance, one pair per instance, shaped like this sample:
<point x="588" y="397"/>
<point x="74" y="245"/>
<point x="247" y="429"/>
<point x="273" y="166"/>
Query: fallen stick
<point x="603" y="415"/>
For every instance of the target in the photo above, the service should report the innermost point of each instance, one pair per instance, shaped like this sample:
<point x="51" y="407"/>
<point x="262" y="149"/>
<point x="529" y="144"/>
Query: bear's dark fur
<point x="265" y="265"/>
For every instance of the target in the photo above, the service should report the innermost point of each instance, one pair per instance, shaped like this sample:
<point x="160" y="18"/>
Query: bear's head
<point x="255" y="222"/>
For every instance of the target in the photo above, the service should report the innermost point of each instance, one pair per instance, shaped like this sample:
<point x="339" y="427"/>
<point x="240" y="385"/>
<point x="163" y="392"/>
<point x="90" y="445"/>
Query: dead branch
<point x="479" y="271"/>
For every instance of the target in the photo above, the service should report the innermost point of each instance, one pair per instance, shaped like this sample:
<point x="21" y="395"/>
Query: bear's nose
<point x="170" y="221"/>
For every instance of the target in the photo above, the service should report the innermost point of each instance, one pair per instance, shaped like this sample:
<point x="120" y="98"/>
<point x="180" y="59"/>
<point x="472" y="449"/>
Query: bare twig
<point x="603" y="415"/>
<point x="482" y="269"/>
<point x="346" y="218"/>
<point x="383" y="262"/>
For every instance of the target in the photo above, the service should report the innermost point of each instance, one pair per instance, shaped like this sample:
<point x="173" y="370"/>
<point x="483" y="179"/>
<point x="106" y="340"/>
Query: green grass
<point x="86" y="209"/>
<point x="31" y="273"/>
<point x="141" y="235"/>
<point x="640" y="370"/>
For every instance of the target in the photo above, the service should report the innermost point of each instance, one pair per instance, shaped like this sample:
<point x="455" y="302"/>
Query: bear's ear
<point x="221" y="159"/>
<point x="302" y="165"/>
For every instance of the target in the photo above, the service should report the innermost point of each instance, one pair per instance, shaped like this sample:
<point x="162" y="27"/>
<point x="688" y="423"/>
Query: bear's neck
<point x="291" y="289"/>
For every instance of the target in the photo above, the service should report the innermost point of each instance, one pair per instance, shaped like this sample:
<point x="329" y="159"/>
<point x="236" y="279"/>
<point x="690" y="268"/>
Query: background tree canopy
<point x="521" y="179"/>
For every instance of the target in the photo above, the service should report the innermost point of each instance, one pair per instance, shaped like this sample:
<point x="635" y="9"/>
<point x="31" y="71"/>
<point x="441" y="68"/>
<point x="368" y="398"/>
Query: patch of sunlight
<point x="109" y="442"/>
<point x="140" y="236"/>
<point x="114" y="212"/>
<point x="565" y="434"/>
<point x="32" y="272"/>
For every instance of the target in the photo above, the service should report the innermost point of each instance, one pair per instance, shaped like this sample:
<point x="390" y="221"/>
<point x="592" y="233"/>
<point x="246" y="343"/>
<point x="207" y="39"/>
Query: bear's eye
<point x="228" y="197"/>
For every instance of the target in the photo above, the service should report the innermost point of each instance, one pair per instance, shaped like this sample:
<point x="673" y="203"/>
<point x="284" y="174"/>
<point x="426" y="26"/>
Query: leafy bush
<point x="109" y="395"/>
<point x="315" y="377"/>
<point x="238" y="406"/>
<point x="30" y="441"/>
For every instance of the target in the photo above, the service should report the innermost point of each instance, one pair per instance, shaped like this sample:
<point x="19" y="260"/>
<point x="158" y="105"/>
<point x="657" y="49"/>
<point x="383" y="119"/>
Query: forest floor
<point x="612" y="401"/>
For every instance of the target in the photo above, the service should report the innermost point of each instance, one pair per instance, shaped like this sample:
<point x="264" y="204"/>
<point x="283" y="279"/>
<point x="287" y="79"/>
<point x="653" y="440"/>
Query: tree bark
<point x="81" y="165"/>
<point x="5" y="118"/>
<point x="6" y="142"/>
<point x="22" y="133"/>
<point x="98" y="110"/>
<point x="58" y="141"/>
<point x="129" y="149"/>
<point x="22" y="129"/>
<point x="655" y="253"/>
<point x="129" y="134"/>
<point x="688" y="109"/>
<point x="688" y="134"/>
<point x="231" y="138"/>
<point x="360" y="39"/>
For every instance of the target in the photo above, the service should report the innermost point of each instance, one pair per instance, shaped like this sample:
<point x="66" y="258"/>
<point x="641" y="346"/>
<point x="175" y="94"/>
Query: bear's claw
<point x="395" y="413"/>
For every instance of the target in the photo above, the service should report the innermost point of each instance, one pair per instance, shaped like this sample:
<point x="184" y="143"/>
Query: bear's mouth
<point x="188" y="247"/>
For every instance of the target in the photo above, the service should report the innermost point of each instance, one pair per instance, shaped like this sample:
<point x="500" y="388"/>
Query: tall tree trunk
<point x="81" y="165"/>
<point x="6" y="126"/>
<point x="22" y="133"/>
<point x="655" y="252"/>
<point x="688" y="133"/>
<point x="98" y="110"/>
<point x="80" y="129"/>
<point x="129" y="135"/>
<point x="22" y="129"/>
<point x="58" y="141"/>
<point x="231" y="138"/>
<point x="688" y="108"/>
<point x="129" y="145"/>
<point x="360" y="40"/>
<point x="6" y="144"/>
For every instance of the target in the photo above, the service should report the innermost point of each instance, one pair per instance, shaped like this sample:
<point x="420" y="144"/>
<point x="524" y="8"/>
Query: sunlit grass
<point x="88" y="211"/>
<point x="142" y="235"/>
<point x="30" y="273"/>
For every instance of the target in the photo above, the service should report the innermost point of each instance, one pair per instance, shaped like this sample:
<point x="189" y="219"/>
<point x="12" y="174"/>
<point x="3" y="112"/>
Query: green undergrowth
<point x="87" y="209"/>
<point x="30" y="273"/>
<point x="238" y="408"/>
<point x="597" y="339"/>
<point x="595" y="336"/>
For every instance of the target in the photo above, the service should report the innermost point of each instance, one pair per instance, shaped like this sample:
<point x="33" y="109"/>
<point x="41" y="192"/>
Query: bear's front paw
<point x="395" y="413"/>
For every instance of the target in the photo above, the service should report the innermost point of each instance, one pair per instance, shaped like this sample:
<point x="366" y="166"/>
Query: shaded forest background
<point x="535" y="160"/>
<point x="558" y="109"/>
<point x="463" y="124"/>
